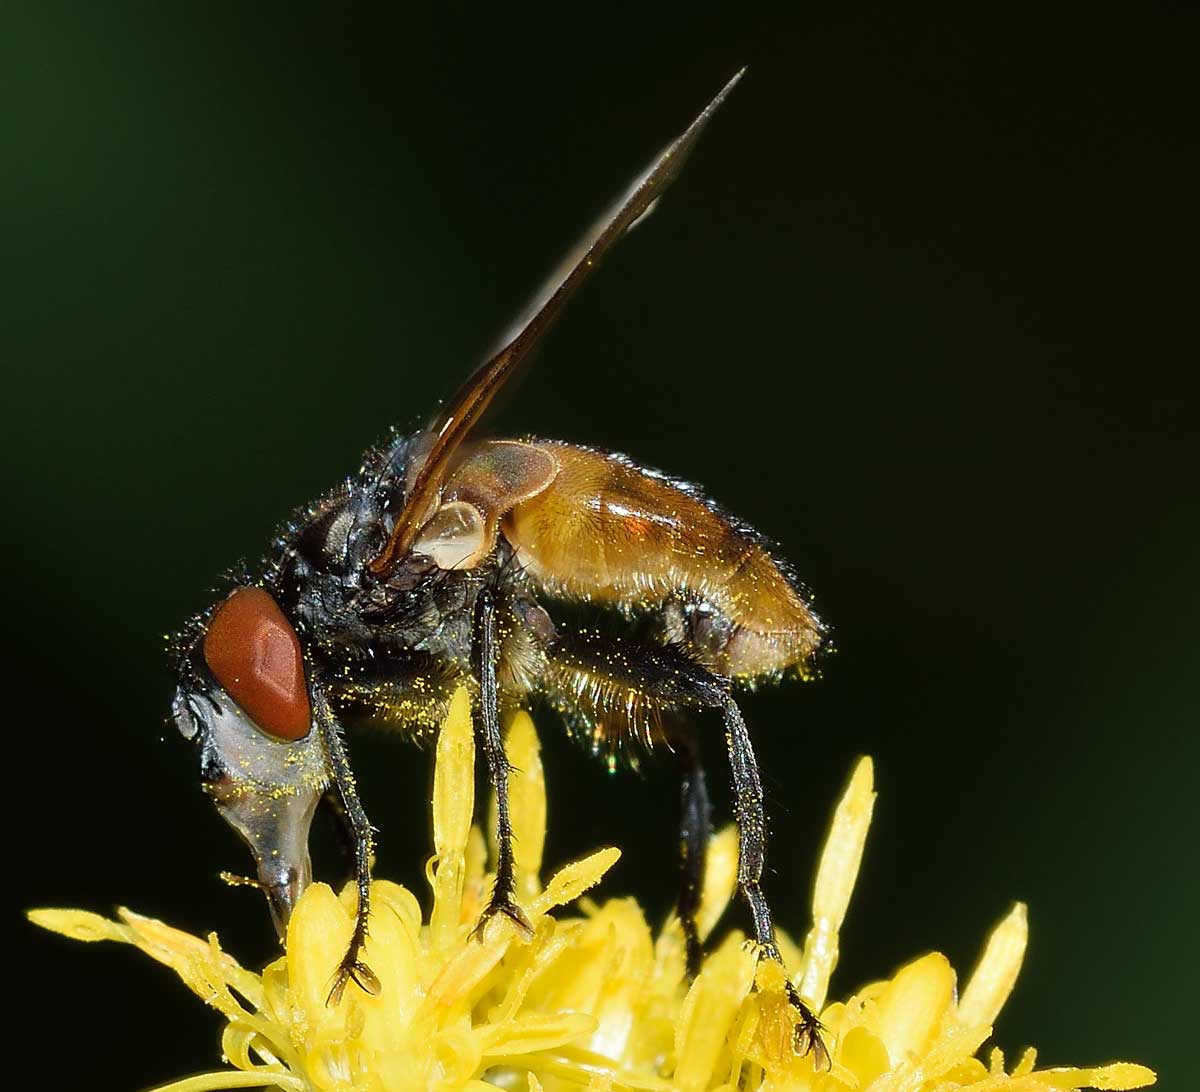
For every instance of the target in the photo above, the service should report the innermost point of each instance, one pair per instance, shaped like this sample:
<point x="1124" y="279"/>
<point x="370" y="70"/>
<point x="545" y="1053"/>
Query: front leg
<point x="486" y="650"/>
<point x="363" y="835"/>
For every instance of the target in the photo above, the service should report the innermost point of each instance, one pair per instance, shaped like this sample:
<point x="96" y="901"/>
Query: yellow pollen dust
<point x="594" y="999"/>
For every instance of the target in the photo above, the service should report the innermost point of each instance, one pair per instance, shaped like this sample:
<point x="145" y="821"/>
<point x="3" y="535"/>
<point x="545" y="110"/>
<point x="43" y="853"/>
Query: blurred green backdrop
<point x="922" y="308"/>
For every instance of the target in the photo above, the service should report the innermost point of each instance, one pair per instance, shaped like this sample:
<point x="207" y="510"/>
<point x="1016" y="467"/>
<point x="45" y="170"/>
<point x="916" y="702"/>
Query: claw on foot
<point x="352" y="968"/>
<point x="806" y="1036"/>
<point x="808" y="1041"/>
<point x="510" y="910"/>
<point x="808" y="1032"/>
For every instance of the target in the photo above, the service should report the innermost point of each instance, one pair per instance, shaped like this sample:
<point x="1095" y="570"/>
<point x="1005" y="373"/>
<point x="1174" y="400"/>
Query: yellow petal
<point x="527" y="803"/>
<point x="1118" y="1076"/>
<point x="863" y="1054"/>
<point x="708" y="1013"/>
<point x="318" y="935"/>
<point x="950" y="1049"/>
<point x="996" y="973"/>
<point x="476" y="887"/>
<point x="454" y="778"/>
<point x="211" y="1082"/>
<point x="720" y="879"/>
<point x="472" y="962"/>
<point x="80" y="925"/>
<point x="574" y="879"/>
<point x="453" y="808"/>
<point x="910" y="1010"/>
<point x="836" y="876"/>
<point x="393" y="952"/>
<point x="174" y="947"/>
<point x="534" y="1033"/>
<point x="626" y="987"/>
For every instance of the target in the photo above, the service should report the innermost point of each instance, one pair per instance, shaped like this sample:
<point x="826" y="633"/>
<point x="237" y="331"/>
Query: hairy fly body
<point x="441" y="564"/>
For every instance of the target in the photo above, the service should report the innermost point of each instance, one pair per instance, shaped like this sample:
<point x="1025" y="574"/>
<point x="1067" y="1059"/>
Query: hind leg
<point x="610" y="680"/>
<point x="752" y="846"/>
<point x="486" y="653"/>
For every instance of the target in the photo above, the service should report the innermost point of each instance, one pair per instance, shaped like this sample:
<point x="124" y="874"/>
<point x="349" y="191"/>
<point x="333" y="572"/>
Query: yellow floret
<point x="593" y="999"/>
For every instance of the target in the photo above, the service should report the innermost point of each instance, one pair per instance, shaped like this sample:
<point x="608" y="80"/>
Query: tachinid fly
<point x="440" y="564"/>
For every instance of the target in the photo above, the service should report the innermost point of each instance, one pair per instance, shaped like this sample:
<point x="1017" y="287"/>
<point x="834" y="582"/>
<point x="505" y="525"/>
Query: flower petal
<point x="572" y="880"/>
<point x="527" y="803"/>
<point x="708" y="1013"/>
<point x="318" y="935"/>
<point x="910" y="1010"/>
<point x="1118" y="1076"/>
<point x="837" y="873"/>
<point x="228" y="1078"/>
<point x="996" y="974"/>
<point x="863" y="1054"/>
<point x="534" y="1033"/>
<point x="453" y="809"/>
<point x="81" y="925"/>
<point x="720" y="879"/>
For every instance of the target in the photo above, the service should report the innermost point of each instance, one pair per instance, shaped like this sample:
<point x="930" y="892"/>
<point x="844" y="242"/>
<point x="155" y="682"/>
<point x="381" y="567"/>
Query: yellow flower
<point x="594" y="999"/>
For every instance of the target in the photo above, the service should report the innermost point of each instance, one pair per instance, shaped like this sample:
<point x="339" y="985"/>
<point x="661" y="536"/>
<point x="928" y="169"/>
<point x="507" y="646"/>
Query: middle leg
<point x="695" y="830"/>
<point x="486" y="652"/>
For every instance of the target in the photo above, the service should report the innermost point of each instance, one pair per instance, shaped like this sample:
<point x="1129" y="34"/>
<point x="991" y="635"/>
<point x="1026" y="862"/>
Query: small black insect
<point x="437" y="565"/>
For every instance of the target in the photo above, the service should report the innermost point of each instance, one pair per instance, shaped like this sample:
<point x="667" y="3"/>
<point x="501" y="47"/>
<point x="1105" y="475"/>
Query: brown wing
<point x="467" y="406"/>
<point x="608" y="531"/>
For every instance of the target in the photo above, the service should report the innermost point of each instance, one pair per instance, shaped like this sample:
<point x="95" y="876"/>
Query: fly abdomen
<point x="611" y="532"/>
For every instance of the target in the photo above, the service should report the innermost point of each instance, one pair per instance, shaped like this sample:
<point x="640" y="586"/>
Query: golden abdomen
<point x="609" y="532"/>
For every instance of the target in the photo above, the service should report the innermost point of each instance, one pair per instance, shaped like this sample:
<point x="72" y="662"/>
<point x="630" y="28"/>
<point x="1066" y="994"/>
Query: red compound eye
<point x="254" y="653"/>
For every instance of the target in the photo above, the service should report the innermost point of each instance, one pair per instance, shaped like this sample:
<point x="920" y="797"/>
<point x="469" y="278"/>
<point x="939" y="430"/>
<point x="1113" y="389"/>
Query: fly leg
<point x="363" y="835"/>
<point x="695" y="829"/>
<point x="486" y="652"/>
<point x="603" y="678"/>
<point x="752" y="842"/>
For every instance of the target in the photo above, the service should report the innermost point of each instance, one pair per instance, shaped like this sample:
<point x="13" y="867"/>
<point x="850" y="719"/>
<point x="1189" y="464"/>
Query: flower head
<point x="594" y="999"/>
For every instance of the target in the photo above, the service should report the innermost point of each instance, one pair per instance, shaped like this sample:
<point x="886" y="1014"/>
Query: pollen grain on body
<point x="593" y="998"/>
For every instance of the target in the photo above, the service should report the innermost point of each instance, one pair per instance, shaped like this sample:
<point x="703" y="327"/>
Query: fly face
<point x="243" y="700"/>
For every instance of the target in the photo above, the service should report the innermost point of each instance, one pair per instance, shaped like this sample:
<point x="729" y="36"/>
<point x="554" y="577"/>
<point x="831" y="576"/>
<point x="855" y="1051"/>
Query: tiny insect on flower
<point x="593" y="998"/>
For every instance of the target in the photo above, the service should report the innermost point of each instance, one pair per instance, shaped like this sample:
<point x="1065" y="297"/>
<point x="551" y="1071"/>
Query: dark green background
<point x="922" y="308"/>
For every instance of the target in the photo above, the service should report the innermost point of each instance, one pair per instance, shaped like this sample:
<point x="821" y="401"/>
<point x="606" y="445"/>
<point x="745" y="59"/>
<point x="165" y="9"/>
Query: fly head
<point x="243" y="700"/>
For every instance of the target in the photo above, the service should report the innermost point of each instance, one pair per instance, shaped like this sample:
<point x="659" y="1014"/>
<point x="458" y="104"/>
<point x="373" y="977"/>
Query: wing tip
<point x="681" y="147"/>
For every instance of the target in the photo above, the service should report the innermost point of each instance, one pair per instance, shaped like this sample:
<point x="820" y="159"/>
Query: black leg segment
<point x="351" y="966"/>
<point x="486" y="652"/>
<point x="605" y="679"/>
<point x="752" y="846"/>
<point x="695" y="829"/>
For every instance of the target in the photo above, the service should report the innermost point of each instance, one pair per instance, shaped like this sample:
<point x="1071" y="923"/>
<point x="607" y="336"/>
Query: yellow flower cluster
<point x="593" y="1000"/>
